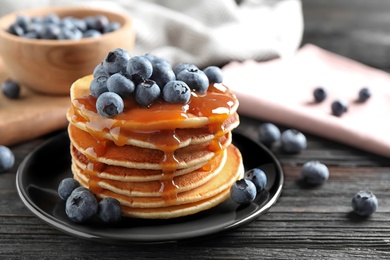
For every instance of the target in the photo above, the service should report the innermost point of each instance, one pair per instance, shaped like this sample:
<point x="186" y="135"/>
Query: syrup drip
<point x="95" y="167"/>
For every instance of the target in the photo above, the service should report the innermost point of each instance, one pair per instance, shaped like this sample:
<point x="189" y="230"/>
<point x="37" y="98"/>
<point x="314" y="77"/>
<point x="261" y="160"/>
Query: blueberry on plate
<point x="364" y="94"/>
<point x="116" y="61"/>
<point x="109" y="104"/>
<point x="339" y="107"/>
<point x="121" y="85"/>
<point x="314" y="172"/>
<point x="11" y="89"/>
<point x="176" y="92"/>
<point x="293" y="141"/>
<point x="147" y="92"/>
<point x="98" y="86"/>
<point x="109" y="210"/>
<point x="364" y="203"/>
<point x="243" y="191"/>
<point x="320" y="94"/>
<point x="195" y="79"/>
<point x="258" y="177"/>
<point x="268" y="134"/>
<point x="66" y="187"/>
<point x="81" y="205"/>
<point x="184" y="66"/>
<point x="214" y="74"/>
<point x="7" y="158"/>
<point x="140" y="67"/>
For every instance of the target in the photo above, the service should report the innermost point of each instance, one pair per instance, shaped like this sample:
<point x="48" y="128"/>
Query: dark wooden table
<point x="305" y="223"/>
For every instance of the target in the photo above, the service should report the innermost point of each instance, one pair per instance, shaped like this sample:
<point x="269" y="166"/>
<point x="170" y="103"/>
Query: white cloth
<point x="202" y="32"/>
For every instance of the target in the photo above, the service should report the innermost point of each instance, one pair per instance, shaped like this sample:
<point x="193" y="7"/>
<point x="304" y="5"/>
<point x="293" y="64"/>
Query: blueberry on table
<point x="183" y="66"/>
<point x="339" y="107"/>
<point x="81" y="205"/>
<point x="66" y="187"/>
<point x="314" y="172"/>
<point x="7" y="158"/>
<point x="140" y="67"/>
<point x="98" y="86"/>
<point x="293" y="141"/>
<point x="147" y="92"/>
<point x="258" y="177"/>
<point x="268" y="133"/>
<point x="121" y="85"/>
<point x="109" y="104"/>
<point x="364" y="94"/>
<point x="364" y="203"/>
<point x="320" y="94"/>
<point x="109" y="210"/>
<point x="176" y="92"/>
<point x="195" y="79"/>
<point x="11" y="89"/>
<point x="243" y="191"/>
<point x="116" y="61"/>
<point x="214" y="74"/>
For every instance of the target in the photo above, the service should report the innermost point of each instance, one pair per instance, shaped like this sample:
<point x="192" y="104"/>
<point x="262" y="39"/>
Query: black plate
<point x="40" y="173"/>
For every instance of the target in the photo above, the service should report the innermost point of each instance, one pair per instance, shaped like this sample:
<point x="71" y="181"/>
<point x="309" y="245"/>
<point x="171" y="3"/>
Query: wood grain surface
<point x="305" y="223"/>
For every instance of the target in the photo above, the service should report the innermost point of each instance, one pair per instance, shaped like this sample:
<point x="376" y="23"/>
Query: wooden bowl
<point x="51" y="66"/>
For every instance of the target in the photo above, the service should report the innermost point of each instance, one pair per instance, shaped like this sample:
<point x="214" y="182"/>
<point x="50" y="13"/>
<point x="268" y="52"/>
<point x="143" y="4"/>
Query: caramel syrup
<point x="156" y="125"/>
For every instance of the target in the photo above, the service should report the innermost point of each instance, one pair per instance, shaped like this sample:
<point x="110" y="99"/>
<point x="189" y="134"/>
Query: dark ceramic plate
<point x="40" y="173"/>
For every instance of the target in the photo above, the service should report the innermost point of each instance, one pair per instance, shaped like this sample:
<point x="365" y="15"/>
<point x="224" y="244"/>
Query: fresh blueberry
<point x="162" y="74"/>
<point x="364" y="94"/>
<point x="91" y="33"/>
<point x="23" y="21"/>
<point x="157" y="60"/>
<point x="66" y="187"/>
<point x="7" y="158"/>
<point x="268" y="133"/>
<point x="31" y="35"/>
<point x="11" y="89"/>
<point x="109" y="104"/>
<point x="116" y="61"/>
<point x="147" y="92"/>
<point x="183" y="66"/>
<point x="51" y="18"/>
<point x="243" y="191"/>
<point x="195" y="79"/>
<point x="140" y="67"/>
<point x="70" y="34"/>
<point x="98" y="86"/>
<point x="293" y="141"/>
<point x="81" y="206"/>
<point x="314" y="172"/>
<point x="339" y="107"/>
<point x="50" y="31"/>
<point x="258" y="177"/>
<point x="214" y="74"/>
<point x="176" y="92"/>
<point x="320" y="94"/>
<point x="121" y="85"/>
<point x="16" y="30"/>
<point x="111" y="27"/>
<point x="109" y="210"/>
<point x="99" y="71"/>
<point x="98" y="22"/>
<point x="364" y="203"/>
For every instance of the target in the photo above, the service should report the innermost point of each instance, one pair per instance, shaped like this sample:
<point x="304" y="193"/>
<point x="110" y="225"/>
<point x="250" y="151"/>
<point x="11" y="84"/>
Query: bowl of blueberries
<point x="47" y="49"/>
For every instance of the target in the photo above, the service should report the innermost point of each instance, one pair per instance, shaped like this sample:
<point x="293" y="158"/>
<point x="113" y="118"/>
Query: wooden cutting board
<point x="31" y="115"/>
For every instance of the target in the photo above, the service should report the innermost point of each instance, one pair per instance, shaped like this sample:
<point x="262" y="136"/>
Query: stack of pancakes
<point x="165" y="161"/>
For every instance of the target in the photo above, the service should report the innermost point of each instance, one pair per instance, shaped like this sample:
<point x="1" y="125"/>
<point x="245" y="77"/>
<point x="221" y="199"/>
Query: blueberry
<point x="7" y="158"/>
<point x="268" y="133"/>
<point x="157" y="60"/>
<point x="16" y="30"/>
<point x="364" y="203"/>
<point x="22" y="21"/>
<point x="70" y="34"/>
<point x="140" y="67"/>
<point x="109" y="210"/>
<point x="121" y="85"/>
<point x="364" y="94"/>
<point x="182" y="66"/>
<point x="162" y="74"/>
<point x="315" y="172"/>
<point x="147" y="92"/>
<point x="176" y="92"/>
<point x="320" y="94"/>
<point x="91" y="33"/>
<point x="214" y="74"/>
<point x="243" y="191"/>
<point x="109" y="104"/>
<point x="66" y="187"/>
<point x="51" y="18"/>
<point x="339" y="107"/>
<point x="99" y="71"/>
<point x="116" y="61"/>
<point x="195" y="79"/>
<point x="258" y="177"/>
<point x="98" y="22"/>
<point x="50" y="31"/>
<point x="98" y="86"/>
<point x="111" y="27"/>
<point x="11" y="89"/>
<point x="293" y="141"/>
<point x="81" y="206"/>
